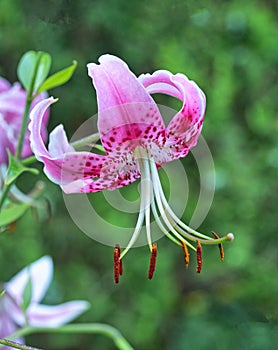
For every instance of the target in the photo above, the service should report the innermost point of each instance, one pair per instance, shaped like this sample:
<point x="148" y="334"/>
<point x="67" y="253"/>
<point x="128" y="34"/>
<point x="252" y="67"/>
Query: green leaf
<point x="27" y="293"/>
<point x="11" y="213"/>
<point x="2" y="293"/>
<point x="15" y="169"/>
<point x="43" y="69"/>
<point x="26" y="68"/>
<point x="33" y="69"/>
<point x="58" y="78"/>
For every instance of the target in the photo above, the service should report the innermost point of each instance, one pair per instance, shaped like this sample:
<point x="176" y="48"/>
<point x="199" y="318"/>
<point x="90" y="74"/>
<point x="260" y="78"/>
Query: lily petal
<point x="8" y="327"/>
<point x="185" y="127"/>
<point x="61" y="163"/>
<point x="26" y="150"/>
<point x="4" y="85"/>
<point x="40" y="272"/>
<point x="55" y="316"/>
<point x="122" y="102"/>
<point x="7" y="139"/>
<point x="12" y="105"/>
<point x="13" y="100"/>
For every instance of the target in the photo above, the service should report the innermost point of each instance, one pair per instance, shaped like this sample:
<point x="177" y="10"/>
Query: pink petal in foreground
<point x="55" y="316"/>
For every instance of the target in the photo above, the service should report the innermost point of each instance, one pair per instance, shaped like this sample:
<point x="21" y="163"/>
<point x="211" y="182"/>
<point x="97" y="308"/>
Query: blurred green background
<point x="230" y="48"/>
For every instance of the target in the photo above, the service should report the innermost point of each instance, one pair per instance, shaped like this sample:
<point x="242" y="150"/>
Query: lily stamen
<point x="117" y="263"/>
<point x="152" y="261"/>
<point x="199" y="257"/>
<point x="186" y="254"/>
<point x="220" y="246"/>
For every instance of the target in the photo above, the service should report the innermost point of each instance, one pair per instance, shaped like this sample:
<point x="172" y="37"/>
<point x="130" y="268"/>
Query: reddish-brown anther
<point x="199" y="257"/>
<point x="117" y="263"/>
<point x="152" y="261"/>
<point x="186" y="253"/>
<point x="220" y="246"/>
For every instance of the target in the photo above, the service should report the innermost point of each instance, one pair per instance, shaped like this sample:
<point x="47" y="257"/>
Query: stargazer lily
<point x="20" y="307"/>
<point x="137" y="143"/>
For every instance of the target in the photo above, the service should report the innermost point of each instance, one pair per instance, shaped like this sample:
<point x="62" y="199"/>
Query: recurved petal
<point x="61" y="163"/>
<point x="26" y="150"/>
<point x="40" y="272"/>
<point x="55" y="316"/>
<point x="185" y="127"/>
<point x="122" y="99"/>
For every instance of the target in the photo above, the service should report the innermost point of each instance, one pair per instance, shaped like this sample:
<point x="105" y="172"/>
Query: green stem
<point x="16" y="345"/>
<point x="29" y="160"/>
<point x="29" y="100"/>
<point x="5" y="191"/>
<point x="87" y="328"/>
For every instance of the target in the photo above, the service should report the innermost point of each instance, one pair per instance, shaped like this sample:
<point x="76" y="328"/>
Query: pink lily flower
<point x="136" y="143"/>
<point x="12" y="104"/>
<point x="12" y="313"/>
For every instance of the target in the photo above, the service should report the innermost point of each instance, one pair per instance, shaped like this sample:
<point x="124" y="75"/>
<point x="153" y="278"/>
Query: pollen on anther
<point x="152" y="261"/>
<point x="199" y="257"/>
<point x="186" y="253"/>
<point x="117" y="263"/>
<point x="220" y="246"/>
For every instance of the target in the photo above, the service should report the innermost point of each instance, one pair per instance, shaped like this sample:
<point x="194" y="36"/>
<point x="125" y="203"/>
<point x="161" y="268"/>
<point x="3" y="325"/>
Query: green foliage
<point x="37" y="64"/>
<point x="11" y="213"/>
<point x="230" y="49"/>
<point x="15" y="169"/>
<point x="33" y="64"/>
<point x="58" y="78"/>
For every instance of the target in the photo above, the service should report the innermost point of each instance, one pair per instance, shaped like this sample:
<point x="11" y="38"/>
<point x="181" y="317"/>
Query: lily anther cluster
<point x="136" y="144"/>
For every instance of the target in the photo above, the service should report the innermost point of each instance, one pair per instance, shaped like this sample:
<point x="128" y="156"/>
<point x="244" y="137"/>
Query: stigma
<point x="154" y="204"/>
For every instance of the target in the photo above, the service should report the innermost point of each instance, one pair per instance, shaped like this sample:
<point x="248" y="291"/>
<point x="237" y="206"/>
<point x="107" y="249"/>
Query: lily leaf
<point x="11" y="213"/>
<point x="58" y="78"/>
<point x="43" y="69"/>
<point x="27" y="66"/>
<point x="15" y="169"/>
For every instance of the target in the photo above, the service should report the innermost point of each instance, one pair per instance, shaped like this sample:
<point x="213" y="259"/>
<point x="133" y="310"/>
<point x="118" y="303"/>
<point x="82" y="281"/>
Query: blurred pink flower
<point x="12" y="315"/>
<point x="12" y="104"/>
